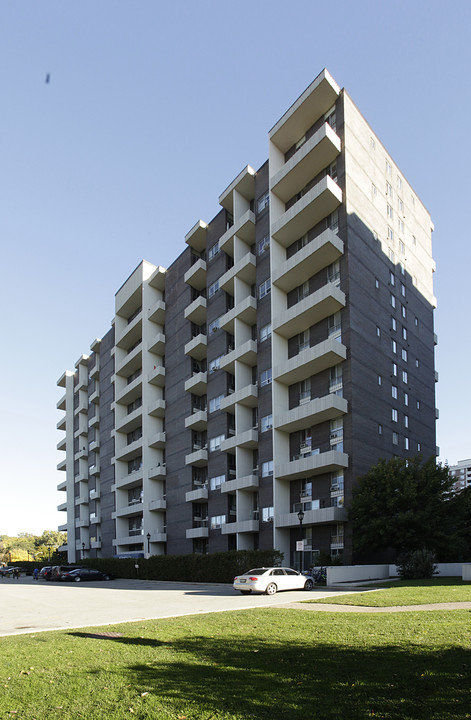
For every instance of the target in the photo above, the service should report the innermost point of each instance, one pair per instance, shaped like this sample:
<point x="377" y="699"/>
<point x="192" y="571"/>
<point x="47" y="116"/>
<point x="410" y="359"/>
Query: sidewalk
<point x="330" y="607"/>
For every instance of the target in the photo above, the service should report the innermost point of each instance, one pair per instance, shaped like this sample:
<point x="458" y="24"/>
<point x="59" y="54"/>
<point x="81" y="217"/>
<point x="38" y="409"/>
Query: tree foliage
<point x="406" y="505"/>
<point x="27" y="545"/>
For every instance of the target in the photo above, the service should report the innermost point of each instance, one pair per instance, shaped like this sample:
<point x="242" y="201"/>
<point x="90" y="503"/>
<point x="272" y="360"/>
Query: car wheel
<point x="245" y="592"/>
<point x="77" y="579"/>
<point x="106" y="577"/>
<point x="309" y="585"/>
<point x="271" y="589"/>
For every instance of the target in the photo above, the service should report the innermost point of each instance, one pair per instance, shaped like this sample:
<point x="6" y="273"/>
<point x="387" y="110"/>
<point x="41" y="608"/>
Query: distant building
<point x="286" y="350"/>
<point x="462" y="472"/>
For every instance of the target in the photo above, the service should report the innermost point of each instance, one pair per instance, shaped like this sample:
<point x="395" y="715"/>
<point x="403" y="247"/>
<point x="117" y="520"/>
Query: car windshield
<point x="256" y="571"/>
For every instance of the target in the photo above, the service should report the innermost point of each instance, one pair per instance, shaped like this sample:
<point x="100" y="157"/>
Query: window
<point x="404" y="376"/>
<point x="416" y="322"/>
<point x="336" y="381"/>
<point x="392" y="278"/>
<point x="333" y="273"/>
<point x="389" y="211"/>
<point x="300" y="142"/>
<point x="303" y="340"/>
<point x="215" y="403"/>
<point x="406" y="443"/>
<point x="417" y="363"/>
<point x="403" y="290"/>
<point x="216" y="482"/>
<point x="266" y="423"/>
<point x="264" y="288"/>
<point x="418" y="404"/>
<point x="265" y="377"/>
<point x="406" y="421"/>
<point x="400" y="227"/>
<point x="215" y="443"/>
<point x="262" y="202"/>
<point x="335" y="326"/>
<point x="419" y="447"/>
<point x="267" y="468"/>
<point x="395" y="438"/>
<point x="400" y="206"/>
<point x="404" y="354"/>
<point x="304" y="391"/>
<point x="263" y="245"/>
<point x="380" y="429"/>
<point x="388" y="168"/>
<point x="303" y="291"/>
<point x="393" y="346"/>
<point x="213" y="288"/>
<point x="268" y="514"/>
<point x="213" y="251"/>
<point x="404" y="333"/>
<point x="265" y="332"/>
<point x="336" y="434"/>
<point x="380" y="380"/>
<point x="394" y="369"/>
<point x="389" y="190"/>
<point x="394" y="415"/>
<point x="399" y="183"/>
<point x="391" y="239"/>
<point x="331" y="118"/>
<point x="374" y="191"/>
<point x="334" y="221"/>
<point x="217" y="521"/>
<point x="214" y="325"/>
<point x="394" y="391"/>
<point x="393" y="323"/>
<point x="406" y="398"/>
<point x="393" y="301"/>
<point x="376" y="283"/>
<point x="378" y="331"/>
<point x="403" y="311"/>
<point x="215" y="364"/>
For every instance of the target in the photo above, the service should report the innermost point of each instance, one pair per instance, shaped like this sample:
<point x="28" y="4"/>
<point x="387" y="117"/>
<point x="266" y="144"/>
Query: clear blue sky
<point x="151" y="110"/>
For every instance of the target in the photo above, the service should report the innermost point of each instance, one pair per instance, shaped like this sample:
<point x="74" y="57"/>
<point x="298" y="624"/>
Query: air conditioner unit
<point x="305" y="449"/>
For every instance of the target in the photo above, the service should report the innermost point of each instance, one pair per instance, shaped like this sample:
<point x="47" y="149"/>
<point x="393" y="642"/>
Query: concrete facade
<point x="286" y="350"/>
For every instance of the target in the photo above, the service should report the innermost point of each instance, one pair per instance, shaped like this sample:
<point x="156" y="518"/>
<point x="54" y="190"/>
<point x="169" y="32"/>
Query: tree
<point x="404" y="505"/>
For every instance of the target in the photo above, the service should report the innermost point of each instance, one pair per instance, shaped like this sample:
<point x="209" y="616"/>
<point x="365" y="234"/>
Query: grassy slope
<point x="260" y="664"/>
<point x="409" y="592"/>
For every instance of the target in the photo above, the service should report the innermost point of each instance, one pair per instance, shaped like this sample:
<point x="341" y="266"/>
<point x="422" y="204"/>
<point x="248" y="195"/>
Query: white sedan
<point x="270" y="580"/>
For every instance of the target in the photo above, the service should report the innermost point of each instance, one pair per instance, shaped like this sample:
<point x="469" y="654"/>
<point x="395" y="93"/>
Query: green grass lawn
<point x="271" y="663"/>
<point x="408" y="592"/>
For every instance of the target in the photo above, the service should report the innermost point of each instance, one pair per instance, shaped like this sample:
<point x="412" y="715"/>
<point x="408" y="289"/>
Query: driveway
<point x="28" y="606"/>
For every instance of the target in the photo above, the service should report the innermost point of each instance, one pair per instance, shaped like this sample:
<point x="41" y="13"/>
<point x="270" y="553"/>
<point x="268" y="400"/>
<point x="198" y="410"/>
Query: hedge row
<point x="217" y="568"/>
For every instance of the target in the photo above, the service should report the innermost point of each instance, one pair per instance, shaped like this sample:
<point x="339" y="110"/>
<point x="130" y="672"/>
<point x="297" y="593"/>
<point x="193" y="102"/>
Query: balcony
<point x="62" y="485"/>
<point x="319" y="253"/>
<point x="196" y="275"/>
<point x="61" y="445"/>
<point x="157" y="472"/>
<point x="129" y="452"/>
<point x="129" y="510"/>
<point x="316" y="100"/>
<point x="157" y="376"/>
<point x="197" y="532"/>
<point x="157" y="408"/>
<point x="247" y="439"/>
<point x="196" y="311"/>
<point x="158" y="505"/>
<point x="81" y="500"/>
<point x="197" y="383"/>
<point x="130" y="362"/>
<point x="244" y="184"/>
<point x="244" y="228"/>
<point x="246" y="310"/>
<point x="95" y="397"/>
<point x="247" y="396"/>
<point x="157" y="440"/>
<point x="82" y="453"/>
<point x="129" y="481"/>
<point x="94" y="494"/>
<point x="198" y="494"/>
<point x="157" y="344"/>
<point x="249" y="482"/>
<point x="197" y="421"/>
<point x="94" y="421"/>
<point x="156" y="313"/>
<point x="128" y="393"/>
<point x="94" y="470"/>
<point x="241" y="526"/>
<point x="244" y="269"/>
<point x="95" y="519"/>
<point x="196" y="348"/>
<point x="196" y="237"/>
<point x="62" y="507"/>
<point x="128" y="333"/>
<point x="95" y="370"/>
<point x="314" y="308"/>
<point x="82" y="406"/>
<point x="61" y="425"/>
<point x="311" y="465"/>
<point x="321" y="516"/>
<point x="129" y="539"/>
<point x="317" y="153"/>
<point x="158" y="537"/>
<point x="198" y="458"/>
<point x="309" y="362"/>
<point x="312" y="413"/>
<point x="129" y="422"/>
<point x="315" y="205"/>
<point x="245" y="353"/>
<point x="60" y="405"/>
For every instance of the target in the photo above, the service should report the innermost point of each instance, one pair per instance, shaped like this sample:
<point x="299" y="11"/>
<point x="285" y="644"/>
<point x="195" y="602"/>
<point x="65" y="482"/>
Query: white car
<point x="270" y="580"/>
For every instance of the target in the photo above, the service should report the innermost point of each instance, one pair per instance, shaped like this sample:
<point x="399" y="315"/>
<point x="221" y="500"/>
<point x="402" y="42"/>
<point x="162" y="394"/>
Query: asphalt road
<point x="29" y="606"/>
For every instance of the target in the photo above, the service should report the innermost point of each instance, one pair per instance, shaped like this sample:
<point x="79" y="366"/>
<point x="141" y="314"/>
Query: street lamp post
<point x="83" y="550"/>
<point x="148" y="544"/>
<point x="301" y="518"/>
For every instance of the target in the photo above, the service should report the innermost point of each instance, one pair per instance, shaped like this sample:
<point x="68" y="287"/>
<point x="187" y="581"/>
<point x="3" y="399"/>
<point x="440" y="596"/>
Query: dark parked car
<point x="58" y="570"/>
<point x="84" y="575"/>
<point x="45" y="572"/>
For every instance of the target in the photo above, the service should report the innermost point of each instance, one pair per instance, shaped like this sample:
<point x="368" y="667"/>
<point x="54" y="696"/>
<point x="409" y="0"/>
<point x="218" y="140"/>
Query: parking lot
<point x="28" y="606"/>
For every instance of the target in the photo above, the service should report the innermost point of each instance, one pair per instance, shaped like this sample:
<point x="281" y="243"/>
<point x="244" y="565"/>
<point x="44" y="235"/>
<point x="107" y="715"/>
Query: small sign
<point x="300" y="545"/>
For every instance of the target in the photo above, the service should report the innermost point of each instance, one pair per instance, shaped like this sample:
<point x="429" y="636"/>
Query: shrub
<point x="417" y="565"/>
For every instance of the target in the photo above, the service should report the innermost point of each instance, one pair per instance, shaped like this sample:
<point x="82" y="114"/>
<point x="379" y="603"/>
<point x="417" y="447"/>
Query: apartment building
<point x="462" y="474"/>
<point x="241" y="391"/>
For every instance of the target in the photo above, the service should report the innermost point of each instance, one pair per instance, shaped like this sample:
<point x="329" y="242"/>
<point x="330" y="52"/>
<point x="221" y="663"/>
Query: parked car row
<point x="73" y="573"/>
